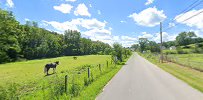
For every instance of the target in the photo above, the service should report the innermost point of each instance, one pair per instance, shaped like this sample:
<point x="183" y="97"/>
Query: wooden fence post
<point x="66" y="84"/>
<point x="88" y="72"/>
<point x="107" y="63"/>
<point x="100" y="68"/>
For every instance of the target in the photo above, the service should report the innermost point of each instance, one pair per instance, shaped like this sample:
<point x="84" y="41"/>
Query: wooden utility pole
<point x="161" y="51"/>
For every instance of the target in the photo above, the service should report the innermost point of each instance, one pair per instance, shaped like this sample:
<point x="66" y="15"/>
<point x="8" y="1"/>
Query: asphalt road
<point x="141" y="80"/>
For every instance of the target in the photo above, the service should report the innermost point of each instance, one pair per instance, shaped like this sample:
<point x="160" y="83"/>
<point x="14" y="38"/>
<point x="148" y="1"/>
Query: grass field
<point x="189" y="60"/>
<point x="32" y="83"/>
<point x="187" y="74"/>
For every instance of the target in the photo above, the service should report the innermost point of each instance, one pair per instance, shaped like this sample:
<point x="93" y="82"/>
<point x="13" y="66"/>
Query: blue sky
<point x="123" y="21"/>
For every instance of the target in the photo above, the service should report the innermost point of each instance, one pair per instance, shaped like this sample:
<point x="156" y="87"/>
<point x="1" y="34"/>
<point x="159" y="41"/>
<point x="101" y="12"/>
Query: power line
<point x="186" y="10"/>
<point x="190" y="7"/>
<point x="184" y="20"/>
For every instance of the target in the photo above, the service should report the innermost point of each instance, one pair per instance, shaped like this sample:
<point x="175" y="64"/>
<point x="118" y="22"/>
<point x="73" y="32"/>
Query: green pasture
<point x="27" y="80"/>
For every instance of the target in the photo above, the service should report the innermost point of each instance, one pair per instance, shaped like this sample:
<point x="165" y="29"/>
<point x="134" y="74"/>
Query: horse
<point x="51" y="65"/>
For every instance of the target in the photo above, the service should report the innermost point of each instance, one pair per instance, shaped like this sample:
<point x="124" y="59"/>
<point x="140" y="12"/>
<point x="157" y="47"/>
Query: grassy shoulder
<point x="192" y="77"/>
<point x="91" y="92"/>
<point x="95" y="88"/>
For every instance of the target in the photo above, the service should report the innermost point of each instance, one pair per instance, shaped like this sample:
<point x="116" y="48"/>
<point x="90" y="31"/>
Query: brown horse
<point x="51" y="65"/>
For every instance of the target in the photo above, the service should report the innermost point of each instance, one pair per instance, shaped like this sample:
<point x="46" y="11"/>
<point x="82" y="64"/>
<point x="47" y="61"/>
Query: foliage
<point x="181" y="51"/>
<point x="31" y="42"/>
<point x="185" y="38"/>
<point x="143" y="44"/>
<point x="169" y="52"/>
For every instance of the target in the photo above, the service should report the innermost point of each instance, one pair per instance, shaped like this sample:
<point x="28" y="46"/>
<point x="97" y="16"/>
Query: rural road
<point x="141" y="80"/>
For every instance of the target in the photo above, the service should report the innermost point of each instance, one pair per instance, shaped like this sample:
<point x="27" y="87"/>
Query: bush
<point x="199" y="44"/>
<point x="197" y="49"/>
<point x="182" y="51"/>
<point x="186" y="47"/>
<point x="169" y="51"/>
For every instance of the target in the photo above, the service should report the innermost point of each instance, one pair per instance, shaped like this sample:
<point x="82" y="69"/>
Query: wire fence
<point x="65" y="84"/>
<point x="188" y="61"/>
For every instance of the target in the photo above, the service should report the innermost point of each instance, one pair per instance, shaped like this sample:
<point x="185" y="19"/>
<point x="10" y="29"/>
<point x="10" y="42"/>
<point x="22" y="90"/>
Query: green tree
<point x="118" y="52"/>
<point x="72" y="42"/>
<point x="143" y="44"/>
<point x="185" y="38"/>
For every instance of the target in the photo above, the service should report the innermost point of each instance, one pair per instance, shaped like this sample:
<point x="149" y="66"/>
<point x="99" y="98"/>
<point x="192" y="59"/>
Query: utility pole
<point x="161" y="51"/>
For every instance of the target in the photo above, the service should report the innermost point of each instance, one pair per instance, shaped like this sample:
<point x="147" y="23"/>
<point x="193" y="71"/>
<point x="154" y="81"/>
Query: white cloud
<point x="90" y="5"/>
<point x="198" y="32"/>
<point x="97" y="31"/>
<point x="92" y="25"/>
<point x="149" y="2"/>
<point x="62" y="26"/>
<point x="99" y="12"/>
<point x="82" y="10"/>
<point x="127" y="38"/>
<point x="10" y="3"/>
<point x="125" y="41"/>
<point x="145" y="35"/>
<point x="26" y="19"/>
<point x="70" y="0"/>
<point x="196" y="21"/>
<point x="64" y="8"/>
<point x="94" y="29"/>
<point x="110" y="28"/>
<point x="149" y="17"/>
<point x="122" y="21"/>
<point x="171" y="24"/>
<point x="165" y="36"/>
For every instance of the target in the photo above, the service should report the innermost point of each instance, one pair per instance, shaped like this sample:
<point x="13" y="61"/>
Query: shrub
<point x="197" y="49"/>
<point x="199" y="44"/>
<point x="182" y="51"/>
<point x="170" y="52"/>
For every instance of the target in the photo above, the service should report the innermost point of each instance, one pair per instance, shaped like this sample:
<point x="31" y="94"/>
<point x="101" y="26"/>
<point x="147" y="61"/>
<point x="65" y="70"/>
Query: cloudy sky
<point x="123" y="21"/>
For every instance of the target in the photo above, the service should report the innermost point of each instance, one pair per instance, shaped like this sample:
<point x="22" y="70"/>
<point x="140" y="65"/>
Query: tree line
<point x="183" y="39"/>
<point x="32" y="42"/>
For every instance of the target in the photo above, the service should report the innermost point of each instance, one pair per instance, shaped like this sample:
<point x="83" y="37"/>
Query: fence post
<point x="107" y="63"/>
<point x="100" y="68"/>
<point x="66" y="83"/>
<point x="88" y="72"/>
<point x="188" y="62"/>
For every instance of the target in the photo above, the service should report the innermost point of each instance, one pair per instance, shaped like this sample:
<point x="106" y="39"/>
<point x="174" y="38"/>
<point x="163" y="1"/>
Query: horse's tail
<point x="45" y="69"/>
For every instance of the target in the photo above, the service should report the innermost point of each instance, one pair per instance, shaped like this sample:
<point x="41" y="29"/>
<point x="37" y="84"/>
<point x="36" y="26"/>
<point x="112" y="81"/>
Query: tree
<point x="135" y="47"/>
<point x="32" y="42"/>
<point x="153" y="46"/>
<point x="143" y="44"/>
<point x="72" y="42"/>
<point x="185" y="38"/>
<point x="118" y="51"/>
